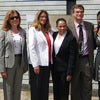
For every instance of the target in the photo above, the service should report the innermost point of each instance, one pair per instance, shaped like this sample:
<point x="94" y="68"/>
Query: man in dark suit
<point x="63" y="60"/>
<point x="81" y="88"/>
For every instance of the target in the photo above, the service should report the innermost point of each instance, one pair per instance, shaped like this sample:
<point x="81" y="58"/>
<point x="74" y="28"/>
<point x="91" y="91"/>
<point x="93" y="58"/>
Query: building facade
<point x="59" y="7"/>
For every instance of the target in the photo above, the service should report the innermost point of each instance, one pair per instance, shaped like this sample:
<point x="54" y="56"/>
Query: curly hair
<point x="6" y="24"/>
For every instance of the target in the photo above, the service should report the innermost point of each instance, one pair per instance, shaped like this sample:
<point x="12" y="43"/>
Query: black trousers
<point x="39" y="83"/>
<point x="60" y="85"/>
<point x="99" y="89"/>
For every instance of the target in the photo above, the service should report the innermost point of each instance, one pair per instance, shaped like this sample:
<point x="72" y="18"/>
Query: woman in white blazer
<point x="13" y="55"/>
<point x="40" y="55"/>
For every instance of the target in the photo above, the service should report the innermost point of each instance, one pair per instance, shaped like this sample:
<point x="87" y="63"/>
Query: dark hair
<point x="98" y="13"/>
<point x="98" y="26"/>
<point x="77" y="6"/>
<point x="60" y="19"/>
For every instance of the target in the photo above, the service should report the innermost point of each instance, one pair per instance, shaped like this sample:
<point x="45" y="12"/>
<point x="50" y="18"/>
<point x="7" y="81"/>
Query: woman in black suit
<point x="64" y="60"/>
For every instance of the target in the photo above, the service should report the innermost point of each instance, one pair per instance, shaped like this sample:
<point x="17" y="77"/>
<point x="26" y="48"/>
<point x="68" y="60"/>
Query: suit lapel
<point x="87" y="32"/>
<point x="10" y="37"/>
<point x="42" y="36"/>
<point x="23" y="38"/>
<point x="87" y="28"/>
<point x="54" y="37"/>
<point x="73" y="29"/>
<point x="63" y="42"/>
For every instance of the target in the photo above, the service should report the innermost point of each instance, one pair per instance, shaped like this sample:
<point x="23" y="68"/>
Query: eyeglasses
<point x="12" y="18"/>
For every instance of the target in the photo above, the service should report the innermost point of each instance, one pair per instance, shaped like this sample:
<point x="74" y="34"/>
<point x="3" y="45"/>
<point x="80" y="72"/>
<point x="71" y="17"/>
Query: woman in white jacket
<point x="40" y="55"/>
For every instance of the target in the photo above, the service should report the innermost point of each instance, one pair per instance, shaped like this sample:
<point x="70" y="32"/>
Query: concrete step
<point x="25" y="95"/>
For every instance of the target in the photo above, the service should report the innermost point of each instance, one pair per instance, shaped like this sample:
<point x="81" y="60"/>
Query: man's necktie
<point x="80" y="40"/>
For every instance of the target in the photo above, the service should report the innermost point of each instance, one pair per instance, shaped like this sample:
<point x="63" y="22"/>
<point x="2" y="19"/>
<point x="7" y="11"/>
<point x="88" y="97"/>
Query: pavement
<point x="25" y="95"/>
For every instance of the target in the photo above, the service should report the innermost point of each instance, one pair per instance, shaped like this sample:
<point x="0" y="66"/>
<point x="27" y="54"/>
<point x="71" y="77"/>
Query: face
<point x="62" y="27"/>
<point x="78" y="14"/>
<point x="98" y="19"/>
<point x="14" y="19"/>
<point x="43" y="19"/>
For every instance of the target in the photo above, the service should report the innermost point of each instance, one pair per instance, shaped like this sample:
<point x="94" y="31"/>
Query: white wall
<point x="91" y="9"/>
<point x="53" y="7"/>
<point x="30" y="8"/>
<point x="27" y="8"/>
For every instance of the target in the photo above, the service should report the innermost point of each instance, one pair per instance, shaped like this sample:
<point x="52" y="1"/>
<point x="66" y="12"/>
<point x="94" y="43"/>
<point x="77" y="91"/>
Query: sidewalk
<point x="25" y="95"/>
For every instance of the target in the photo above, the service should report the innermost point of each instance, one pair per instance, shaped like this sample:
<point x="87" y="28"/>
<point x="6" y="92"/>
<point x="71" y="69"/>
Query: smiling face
<point x="61" y="26"/>
<point x="14" y="19"/>
<point x="78" y="14"/>
<point x="43" y="19"/>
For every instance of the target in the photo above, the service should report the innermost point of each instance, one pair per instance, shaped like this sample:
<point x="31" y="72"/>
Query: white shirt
<point x="17" y="40"/>
<point x="58" y="42"/>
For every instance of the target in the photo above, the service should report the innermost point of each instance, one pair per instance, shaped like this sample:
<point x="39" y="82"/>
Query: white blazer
<point x="38" y="48"/>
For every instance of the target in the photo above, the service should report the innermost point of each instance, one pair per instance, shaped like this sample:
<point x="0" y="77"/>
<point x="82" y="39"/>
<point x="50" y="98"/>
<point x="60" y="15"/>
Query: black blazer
<point x="64" y="60"/>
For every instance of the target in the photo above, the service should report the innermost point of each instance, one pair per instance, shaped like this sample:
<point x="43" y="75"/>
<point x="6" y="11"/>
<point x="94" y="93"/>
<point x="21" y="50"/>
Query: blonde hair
<point x="37" y="24"/>
<point x="6" y="24"/>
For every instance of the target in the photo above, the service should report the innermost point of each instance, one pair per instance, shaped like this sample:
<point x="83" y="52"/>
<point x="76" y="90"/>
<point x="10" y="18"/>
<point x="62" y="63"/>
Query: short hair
<point x="36" y="23"/>
<point x="98" y="26"/>
<point x="77" y="6"/>
<point x="98" y="13"/>
<point x="6" y="24"/>
<point x="60" y="19"/>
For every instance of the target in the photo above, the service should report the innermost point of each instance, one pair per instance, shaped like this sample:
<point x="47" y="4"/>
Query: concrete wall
<point x="53" y="8"/>
<point x="30" y="8"/>
<point x="91" y="9"/>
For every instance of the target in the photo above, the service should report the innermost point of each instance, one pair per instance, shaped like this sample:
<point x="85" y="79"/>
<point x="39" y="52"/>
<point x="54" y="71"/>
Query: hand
<point x="69" y="77"/>
<point x="4" y="75"/>
<point x="36" y="70"/>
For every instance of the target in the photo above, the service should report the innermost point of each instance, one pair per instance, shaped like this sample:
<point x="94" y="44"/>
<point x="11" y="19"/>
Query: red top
<point x="49" y="45"/>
